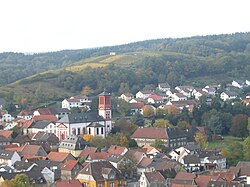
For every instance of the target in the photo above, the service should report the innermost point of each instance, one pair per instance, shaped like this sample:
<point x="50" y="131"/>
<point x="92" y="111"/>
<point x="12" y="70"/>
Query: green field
<point x="224" y="143"/>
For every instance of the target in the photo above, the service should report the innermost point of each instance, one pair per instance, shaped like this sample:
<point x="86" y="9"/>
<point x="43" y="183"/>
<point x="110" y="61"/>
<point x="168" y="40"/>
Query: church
<point x="88" y="123"/>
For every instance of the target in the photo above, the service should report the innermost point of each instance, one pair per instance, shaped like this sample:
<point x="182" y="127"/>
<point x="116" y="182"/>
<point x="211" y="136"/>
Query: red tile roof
<point x="17" y="149"/>
<point x="44" y="111"/>
<point x="5" y="133"/>
<point x="57" y="156"/>
<point x="183" y="185"/>
<point x="69" y="165"/>
<point x="154" y="177"/>
<point x="203" y="180"/>
<point x="228" y="176"/>
<point x="99" y="156"/>
<point x="71" y="183"/>
<point x="27" y="124"/>
<point x="25" y="113"/>
<point x="51" y="118"/>
<point x="85" y="152"/>
<point x="185" y="176"/>
<point x="145" y="162"/>
<point x="31" y="150"/>
<point x="155" y="97"/>
<point x="116" y="150"/>
<point x="136" y="105"/>
<point x="150" y="133"/>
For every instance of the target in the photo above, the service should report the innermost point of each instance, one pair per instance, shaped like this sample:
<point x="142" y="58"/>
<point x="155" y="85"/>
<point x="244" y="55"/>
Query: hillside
<point x="195" y="60"/>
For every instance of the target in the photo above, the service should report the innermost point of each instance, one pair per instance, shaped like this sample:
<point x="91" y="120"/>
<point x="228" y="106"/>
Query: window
<point x="89" y="131"/>
<point x="101" y="130"/>
<point x="97" y="131"/>
<point x="78" y="131"/>
<point x="112" y="184"/>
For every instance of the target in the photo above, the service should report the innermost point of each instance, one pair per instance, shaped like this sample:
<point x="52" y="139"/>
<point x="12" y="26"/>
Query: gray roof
<point x="48" y="163"/>
<point x="73" y="142"/>
<point x="175" y="132"/>
<point x="81" y="118"/>
<point x="94" y="124"/>
<point x="59" y="110"/>
<point x="4" y="139"/>
<point x="40" y="124"/>
<point x="6" y="154"/>
<point x="191" y="159"/>
<point x="22" y="165"/>
<point x="44" y="136"/>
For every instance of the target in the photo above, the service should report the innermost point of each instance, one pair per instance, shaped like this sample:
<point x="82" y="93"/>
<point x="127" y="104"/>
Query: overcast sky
<point x="52" y="25"/>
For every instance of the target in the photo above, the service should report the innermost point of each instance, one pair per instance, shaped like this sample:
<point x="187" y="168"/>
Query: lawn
<point x="224" y="143"/>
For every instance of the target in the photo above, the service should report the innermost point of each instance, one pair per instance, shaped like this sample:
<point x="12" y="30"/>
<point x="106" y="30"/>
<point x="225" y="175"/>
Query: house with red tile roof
<point x="70" y="183"/>
<point x="25" y="114"/>
<point x="155" y="99"/>
<point x="70" y="169"/>
<point x="33" y="150"/>
<point x="61" y="157"/>
<point x="6" y="133"/>
<point x="76" y="101"/>
<point x="150" y="150"/>
<point x="47" y="117"/>
<point x="117" y="150"/>
<point x="88" y="150"/>
<point x="97" y="156"/>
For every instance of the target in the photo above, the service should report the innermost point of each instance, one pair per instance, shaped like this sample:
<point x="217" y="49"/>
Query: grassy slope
<point x="228" y="140"/>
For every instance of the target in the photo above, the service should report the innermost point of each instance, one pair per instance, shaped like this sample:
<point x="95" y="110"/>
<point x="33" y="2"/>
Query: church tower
<point x="104" y="109"/>
<point x="104" y="106"/>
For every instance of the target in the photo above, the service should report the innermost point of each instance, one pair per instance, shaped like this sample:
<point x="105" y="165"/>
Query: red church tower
<point x="104" y="106"/>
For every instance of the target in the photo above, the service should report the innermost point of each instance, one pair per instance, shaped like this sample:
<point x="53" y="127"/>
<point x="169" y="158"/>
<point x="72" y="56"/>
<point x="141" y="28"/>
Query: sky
<point x="53" y="25"/>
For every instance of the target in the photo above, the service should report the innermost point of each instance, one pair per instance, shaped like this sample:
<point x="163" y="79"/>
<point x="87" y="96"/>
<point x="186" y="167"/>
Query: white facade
<point x="178" y="97"/>
<point x="15" y="157"/>
<point x="224" y="96"/>
<point x="7" y="118"/>
<point x="142" y="95"/>
<point x="50" y="128"/>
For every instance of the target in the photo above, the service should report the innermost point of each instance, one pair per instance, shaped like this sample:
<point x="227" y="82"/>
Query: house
<point x="210" y="90"/>
<point x="60" y="157"/>
<point x="72" y="144"/>
<point x="70" y="169"/>
<point x="203" y="180"/>
<point x="143" y="165"/>
<point x="97" y="156"/>
<point x="77" y="123"/>
<point x="135" y="107"/>
<point x="50" y="117"/>
<point x="143" y="94"/>
<point x="4" y="141"/>
<point x="228" y="95"/>
<point x="192" y="163"/>
<point x="126" y="97"/>
<point x="6" y="118"/>
<point x="85" y="152"/>
<point x="76" y="102"/>
<point x="189" y="104"/>
<point x="163" y="87"/>
<point x="9" y="157"/>
<point x="43" y="137"/>
<point x="33" y="150"/>
<point x="42" y="126"/>
<point x="117" y="150"/>
<point x="185" y="90"/>
<point x="137" y="100"/>
<point x="150" y="150"/>
<point x="25" y="114"/>
<point x="179" y="153"/>
<point x="154" y="99"/>
<point x="178" y="97"/>
<point x="239" y="83"/>
<point x="100" y="174"/>
<point x="7" y="134"/>
<point x="197" y="93"/>
<point x="172" y="137"/>
<point x="154" y="178"/>
<point x="21" y="140"/>
<point x="70" y="183"/>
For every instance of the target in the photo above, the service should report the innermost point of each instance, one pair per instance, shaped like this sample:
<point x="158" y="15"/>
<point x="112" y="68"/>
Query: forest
<point x="195" y="61"/>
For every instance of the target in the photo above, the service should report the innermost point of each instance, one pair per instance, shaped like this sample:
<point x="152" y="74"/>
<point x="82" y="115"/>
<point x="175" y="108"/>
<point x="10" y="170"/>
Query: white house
<point x="178" y="97"/>
<point x="210" y="90"/>
<point x="8" y="157"/>
<point x="154" y="178"/>
<point x="25" y="114"/>
<point x="143" y="94"/>
<point x="155" y="99"/>
<point x="42" y="126"/>
<point x="7" y="118"/>
<point x="96" y="129"/>
<point x="239" y="83"/>
<point x="185" y="90"/>
<point x="126" y="97"/>
<point x="163" y="87"/>
<point x="76" y="102"/>
<point x="227" y="95"/>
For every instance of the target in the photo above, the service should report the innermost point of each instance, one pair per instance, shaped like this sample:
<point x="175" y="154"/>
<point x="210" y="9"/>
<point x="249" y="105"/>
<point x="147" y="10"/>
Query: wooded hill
<point x="196" y="60"/>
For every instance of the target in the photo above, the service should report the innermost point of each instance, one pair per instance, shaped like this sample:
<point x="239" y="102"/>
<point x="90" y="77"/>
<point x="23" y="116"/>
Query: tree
<point x="148" y="111"/>
<point x="246" y="149"/>
<point x="20" y="180"/>
<point x="123" y="107"/>
<point x="184" y="125"/>
<point x="239" y="126"/>
<point x="173" y="79"/>
<point x="132" y="143"/>
<point x="161" y="123"/>
<point x="248" y="125"/>
<point x="138" y="119"/>
<point x="124" y="88"/>
<point x="86" y="90"/>
<point x="201" y="140"/>
<point x="234" y="153"/>
<point x="161" y="112"/>
<point x="173" y="110"/>
<point x="123" y="140"/>
<point x="88" y="137"/>
<point x="158" y="144"/>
